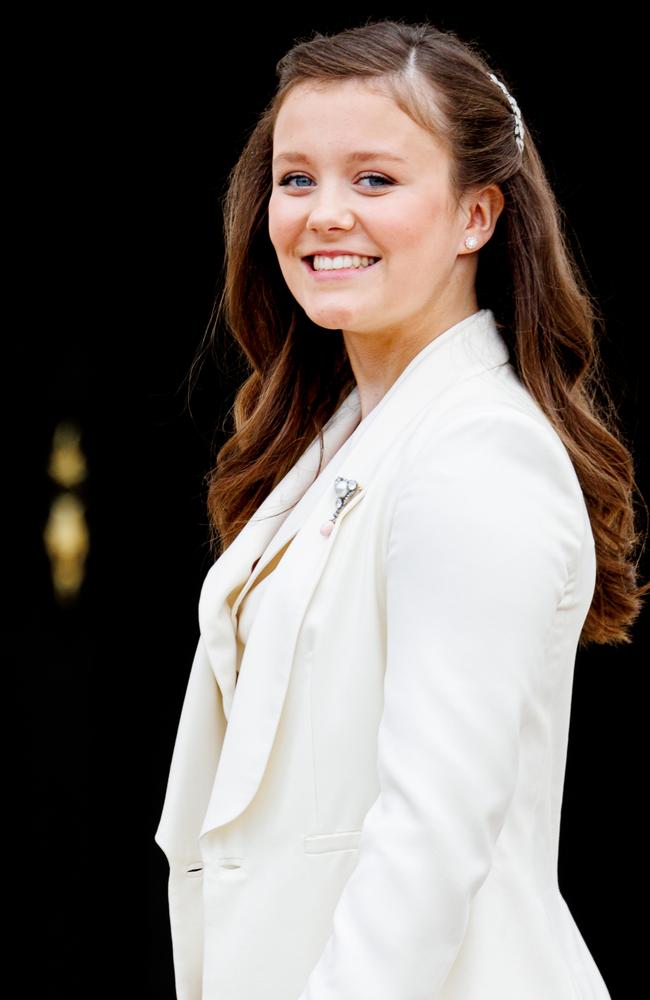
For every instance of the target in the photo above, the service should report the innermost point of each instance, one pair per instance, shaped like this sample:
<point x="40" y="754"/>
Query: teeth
<point x="346" y="260"/>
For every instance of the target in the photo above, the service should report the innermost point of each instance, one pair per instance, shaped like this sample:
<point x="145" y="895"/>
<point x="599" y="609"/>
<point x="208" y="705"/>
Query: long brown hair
<point x="298" y="373"/>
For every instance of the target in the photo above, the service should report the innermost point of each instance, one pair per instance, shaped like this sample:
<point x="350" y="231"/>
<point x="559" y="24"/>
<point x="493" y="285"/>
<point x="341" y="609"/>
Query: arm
<point x="197" y="748"/>
<point x="483" y="535"/>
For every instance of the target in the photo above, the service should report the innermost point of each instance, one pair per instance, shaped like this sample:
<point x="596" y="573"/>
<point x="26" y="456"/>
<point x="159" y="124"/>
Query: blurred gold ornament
<point x="67" y="460"/>
<point x="66" y="534"/>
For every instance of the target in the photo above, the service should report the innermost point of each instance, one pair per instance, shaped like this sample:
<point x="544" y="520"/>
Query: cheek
<point x="413" y="249"/>
<point x="281" y="222"/>
<point x="410" y="227"/>
<point x="423" y="241"/>
<point x="273" y="222"/>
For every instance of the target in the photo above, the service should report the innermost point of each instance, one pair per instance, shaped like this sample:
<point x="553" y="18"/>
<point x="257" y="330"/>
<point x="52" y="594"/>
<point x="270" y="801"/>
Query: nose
<point x="329" y="210"/>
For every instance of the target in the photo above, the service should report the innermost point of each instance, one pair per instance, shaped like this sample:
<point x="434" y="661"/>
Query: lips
<point x="309" y="259"/>
<point x="341" y="253"/>
<point x="333" y="276"/>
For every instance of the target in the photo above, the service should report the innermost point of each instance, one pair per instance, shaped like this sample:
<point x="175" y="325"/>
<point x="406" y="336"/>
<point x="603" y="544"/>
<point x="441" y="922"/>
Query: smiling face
<point x="395" y="203"/>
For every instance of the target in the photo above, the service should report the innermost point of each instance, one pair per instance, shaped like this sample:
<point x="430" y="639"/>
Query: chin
<point x="334" y="319"/>
<point x="327" y="324"/>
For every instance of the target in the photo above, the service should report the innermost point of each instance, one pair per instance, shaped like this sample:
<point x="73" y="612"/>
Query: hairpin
<point x="344" y="489"/>
<point x="519" y="127"/>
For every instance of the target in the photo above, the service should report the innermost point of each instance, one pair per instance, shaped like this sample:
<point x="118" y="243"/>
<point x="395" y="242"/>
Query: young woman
<point x="420" y="514"/>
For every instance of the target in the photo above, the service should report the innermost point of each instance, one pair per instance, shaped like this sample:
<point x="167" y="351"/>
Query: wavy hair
<point x="296" y="374"/>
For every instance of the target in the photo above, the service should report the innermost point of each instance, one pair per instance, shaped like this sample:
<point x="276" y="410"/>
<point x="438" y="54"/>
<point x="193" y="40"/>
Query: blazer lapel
<point x="467" y="348"/>
<point x="233" y="567"/>
<point x="337" y="440"/>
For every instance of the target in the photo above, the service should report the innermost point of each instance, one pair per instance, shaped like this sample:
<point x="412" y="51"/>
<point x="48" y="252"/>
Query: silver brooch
<point x="344" y="490"/>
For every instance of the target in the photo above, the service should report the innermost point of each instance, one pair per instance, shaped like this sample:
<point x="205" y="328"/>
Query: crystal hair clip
<point x="519" y="128"/>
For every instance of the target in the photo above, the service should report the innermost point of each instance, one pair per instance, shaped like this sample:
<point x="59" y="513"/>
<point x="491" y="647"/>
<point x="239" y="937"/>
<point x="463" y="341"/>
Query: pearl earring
<point x="470" y="242"/>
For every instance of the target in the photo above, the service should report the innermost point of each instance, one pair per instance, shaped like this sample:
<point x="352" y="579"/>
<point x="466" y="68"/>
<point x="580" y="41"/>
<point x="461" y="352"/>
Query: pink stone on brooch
<point x="344" y="489"/>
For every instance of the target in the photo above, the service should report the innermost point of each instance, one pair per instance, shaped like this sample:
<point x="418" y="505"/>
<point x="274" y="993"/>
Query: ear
<point x="482" y="209"/>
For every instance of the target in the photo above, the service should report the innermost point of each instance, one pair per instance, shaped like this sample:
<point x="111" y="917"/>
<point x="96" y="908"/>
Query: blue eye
<point x="290" y="177"/>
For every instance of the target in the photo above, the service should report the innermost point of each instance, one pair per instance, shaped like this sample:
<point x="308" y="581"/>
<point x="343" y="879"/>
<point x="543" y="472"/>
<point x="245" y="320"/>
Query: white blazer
<point x="371" y="811"/>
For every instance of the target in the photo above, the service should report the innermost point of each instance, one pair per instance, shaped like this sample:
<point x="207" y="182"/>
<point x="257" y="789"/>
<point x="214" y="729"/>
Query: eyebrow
<point x="364" y="154"/>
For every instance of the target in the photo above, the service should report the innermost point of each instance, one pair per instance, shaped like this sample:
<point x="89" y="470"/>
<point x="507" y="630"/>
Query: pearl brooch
<point x="344" y="489"/>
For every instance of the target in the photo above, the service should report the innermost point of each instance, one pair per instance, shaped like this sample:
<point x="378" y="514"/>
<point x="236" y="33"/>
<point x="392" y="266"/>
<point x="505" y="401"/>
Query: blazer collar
<point x="296" y="508"/>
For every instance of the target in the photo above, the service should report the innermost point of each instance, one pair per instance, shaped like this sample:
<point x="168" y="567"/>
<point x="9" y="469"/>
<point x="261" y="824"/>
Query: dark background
<point x="126" y="126"/>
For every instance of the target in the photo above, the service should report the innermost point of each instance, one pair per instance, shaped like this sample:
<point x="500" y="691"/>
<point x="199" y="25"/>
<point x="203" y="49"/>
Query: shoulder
<point x="490" y="414"/>
<point x="489" y="459"/>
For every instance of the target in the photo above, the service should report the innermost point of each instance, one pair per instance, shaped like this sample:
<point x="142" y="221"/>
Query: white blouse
<point x="248" y="608"/>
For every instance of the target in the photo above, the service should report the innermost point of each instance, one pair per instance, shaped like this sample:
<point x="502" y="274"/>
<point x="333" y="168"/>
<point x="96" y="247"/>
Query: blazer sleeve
<point x="484" y="531"/>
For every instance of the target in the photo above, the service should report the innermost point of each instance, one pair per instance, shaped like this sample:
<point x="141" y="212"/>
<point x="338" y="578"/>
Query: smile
<point x="336" y="274"/>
